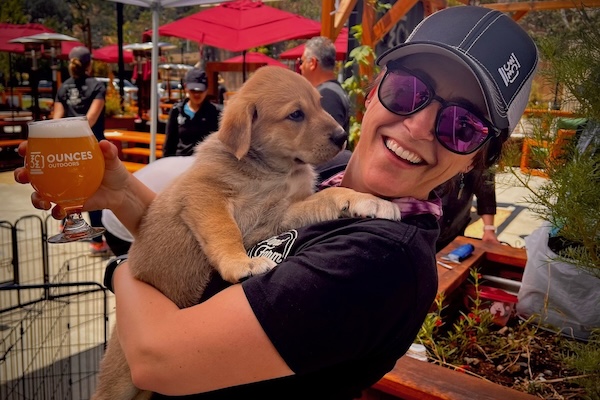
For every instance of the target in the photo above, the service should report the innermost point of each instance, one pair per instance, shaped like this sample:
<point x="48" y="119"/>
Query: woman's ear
<point x="468" y="169"/>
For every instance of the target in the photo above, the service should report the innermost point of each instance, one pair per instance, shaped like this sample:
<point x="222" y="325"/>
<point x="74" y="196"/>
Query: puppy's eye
<point x="297" y="116"/>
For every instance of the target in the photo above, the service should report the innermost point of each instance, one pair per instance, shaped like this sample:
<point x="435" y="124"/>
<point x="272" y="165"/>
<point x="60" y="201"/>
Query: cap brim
<point x="490" y="94"/>
<point x="196" y="87"/>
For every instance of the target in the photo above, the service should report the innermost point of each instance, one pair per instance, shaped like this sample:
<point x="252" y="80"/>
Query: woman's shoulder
<point x="95" y="84"/>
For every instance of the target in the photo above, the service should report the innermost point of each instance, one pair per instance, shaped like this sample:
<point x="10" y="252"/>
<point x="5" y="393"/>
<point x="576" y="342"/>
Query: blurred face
<point x="306" y="64"/>
<point x="196" y="97"/>
<point x="399" y="156"/>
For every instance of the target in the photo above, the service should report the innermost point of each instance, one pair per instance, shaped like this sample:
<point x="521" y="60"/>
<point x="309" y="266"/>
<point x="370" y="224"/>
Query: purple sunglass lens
<point x="460" y="130"/>
<point x="403" y="93"/>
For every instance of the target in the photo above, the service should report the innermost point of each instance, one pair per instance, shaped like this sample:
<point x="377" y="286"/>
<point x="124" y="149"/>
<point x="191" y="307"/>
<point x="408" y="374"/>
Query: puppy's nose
<point x="339" y="137"/>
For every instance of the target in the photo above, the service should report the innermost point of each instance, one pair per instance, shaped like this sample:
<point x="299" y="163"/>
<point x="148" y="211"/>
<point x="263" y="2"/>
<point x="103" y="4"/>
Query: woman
<point x="191" y="120"/>
<point x="350" y="295"/>
<point x="457" y="200"/>
<point x="81" y="95"/>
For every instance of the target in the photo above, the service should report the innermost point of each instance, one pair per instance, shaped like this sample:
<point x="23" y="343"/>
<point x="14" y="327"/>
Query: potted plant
<point x="561" y="283"/>
<point x="117" y="114"/>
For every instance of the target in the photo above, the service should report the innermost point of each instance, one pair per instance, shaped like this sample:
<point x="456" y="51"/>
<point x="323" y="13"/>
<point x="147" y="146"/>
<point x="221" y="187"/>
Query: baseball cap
<point x="196" y="79"/>
<point x="499" y="53"/>
<point x="82" y="54"/>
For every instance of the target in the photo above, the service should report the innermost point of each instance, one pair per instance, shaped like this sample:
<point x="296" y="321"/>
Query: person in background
<point x="192" y="119"/>
<point x="222" y="89"/>
<point x="348" y="296"/>
<point x="317" y="66"/>
<point x="457" y="199"/>
<point x="82" y="95"/>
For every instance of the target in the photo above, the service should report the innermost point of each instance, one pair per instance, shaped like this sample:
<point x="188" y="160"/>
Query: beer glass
<point x="65" y="167"/>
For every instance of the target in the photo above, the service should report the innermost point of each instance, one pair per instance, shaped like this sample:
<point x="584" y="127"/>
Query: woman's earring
<point x="461" y="185"/>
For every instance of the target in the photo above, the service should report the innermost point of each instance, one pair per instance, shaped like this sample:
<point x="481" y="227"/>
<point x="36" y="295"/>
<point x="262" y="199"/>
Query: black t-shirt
<point x="77" y="95"/>
<point x="347" y="303"/>
<point x="457" y="200"/>
<point x="335" y="101"/>
<point x="184" y="132"/>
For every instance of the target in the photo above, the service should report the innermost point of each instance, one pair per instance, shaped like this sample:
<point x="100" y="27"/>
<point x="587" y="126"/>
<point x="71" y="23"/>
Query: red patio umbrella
<point x="110" y="54"/>
<point x="341" y="48"/>
<point x="240" y="25"/>
<point x="13" y="31"/>
<point x="254" y="57"/>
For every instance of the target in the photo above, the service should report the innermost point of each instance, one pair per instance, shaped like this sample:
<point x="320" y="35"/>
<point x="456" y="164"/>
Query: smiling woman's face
<point x="400" y="156"/>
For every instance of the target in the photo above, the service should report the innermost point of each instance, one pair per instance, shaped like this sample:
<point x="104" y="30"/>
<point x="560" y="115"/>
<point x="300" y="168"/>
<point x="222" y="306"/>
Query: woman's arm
<point x="96" y="108"/>
<point x="59" y="110"/>
<point x="216" y="344"/>
<point x="489" y="234"/>
<point x="120" y="191"/>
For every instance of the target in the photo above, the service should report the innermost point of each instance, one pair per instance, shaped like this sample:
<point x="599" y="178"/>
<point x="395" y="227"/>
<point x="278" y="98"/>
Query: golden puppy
<point x="251" y="180"/>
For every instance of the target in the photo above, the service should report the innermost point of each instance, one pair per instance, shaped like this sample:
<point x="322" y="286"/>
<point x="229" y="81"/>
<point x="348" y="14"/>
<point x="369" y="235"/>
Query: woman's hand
<point x="110" y="194"/>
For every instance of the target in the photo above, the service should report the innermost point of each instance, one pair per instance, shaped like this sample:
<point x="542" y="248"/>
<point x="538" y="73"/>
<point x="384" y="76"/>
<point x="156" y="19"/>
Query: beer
<point x="64" y="161"/>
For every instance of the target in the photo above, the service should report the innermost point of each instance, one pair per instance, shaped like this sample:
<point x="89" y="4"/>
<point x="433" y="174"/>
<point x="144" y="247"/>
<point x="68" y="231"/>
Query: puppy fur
<point x="251" y="180"/>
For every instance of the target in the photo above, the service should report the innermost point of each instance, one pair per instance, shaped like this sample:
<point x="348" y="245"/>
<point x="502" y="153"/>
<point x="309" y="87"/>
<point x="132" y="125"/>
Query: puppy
<point x="252" y="179"/>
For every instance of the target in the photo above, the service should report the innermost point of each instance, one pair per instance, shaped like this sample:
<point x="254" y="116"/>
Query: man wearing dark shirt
<point x="317" y="66"/>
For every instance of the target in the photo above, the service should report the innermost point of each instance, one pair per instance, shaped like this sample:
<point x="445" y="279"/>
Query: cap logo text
<point x="510" y="70"/>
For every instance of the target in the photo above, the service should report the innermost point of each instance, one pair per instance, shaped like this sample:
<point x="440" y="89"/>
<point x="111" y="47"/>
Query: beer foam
<point x="60" y="128"/>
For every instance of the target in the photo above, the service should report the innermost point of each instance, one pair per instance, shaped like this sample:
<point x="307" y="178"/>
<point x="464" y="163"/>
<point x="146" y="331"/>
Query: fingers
<point x="111" y="154"/>
<point x="58" y="213"/>
<point x="39" y="203"/>
<point x="22" y="149"/>
<point x="21" y="175"/>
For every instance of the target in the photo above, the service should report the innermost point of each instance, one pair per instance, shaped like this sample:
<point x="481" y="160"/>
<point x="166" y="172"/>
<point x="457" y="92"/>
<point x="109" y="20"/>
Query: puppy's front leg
<point x="220" y="237"/>
<point x="336" y="202"/>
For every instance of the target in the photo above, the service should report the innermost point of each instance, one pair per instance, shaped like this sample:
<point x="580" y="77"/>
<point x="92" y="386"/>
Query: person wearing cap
<point x="191" y="120"/>
<point x="82" y="95"/>
<point x="348" y="296"/>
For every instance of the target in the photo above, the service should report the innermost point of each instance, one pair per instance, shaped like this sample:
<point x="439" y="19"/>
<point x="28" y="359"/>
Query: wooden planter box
<point x="414" y="379"/>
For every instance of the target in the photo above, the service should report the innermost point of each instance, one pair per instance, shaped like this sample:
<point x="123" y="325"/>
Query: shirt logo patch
<point x="510" y="70"/>
<point x="276" y="248"/>
<point x="74" y="97"/>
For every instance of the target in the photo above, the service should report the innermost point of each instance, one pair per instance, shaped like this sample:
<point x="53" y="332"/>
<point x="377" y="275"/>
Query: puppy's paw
<point x="366" y="205"/>
<point x="244" y="269"/>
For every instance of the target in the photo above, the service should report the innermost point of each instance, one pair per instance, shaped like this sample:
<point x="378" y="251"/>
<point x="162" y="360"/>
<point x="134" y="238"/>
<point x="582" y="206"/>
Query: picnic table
<point x="133" y="146"/>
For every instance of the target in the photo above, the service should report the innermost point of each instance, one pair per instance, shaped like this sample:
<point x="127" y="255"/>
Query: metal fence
<point x="54" y="314"/>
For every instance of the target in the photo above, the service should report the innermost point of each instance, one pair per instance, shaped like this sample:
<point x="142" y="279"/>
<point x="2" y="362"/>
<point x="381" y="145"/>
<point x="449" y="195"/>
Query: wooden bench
<point x="10" y="142"/>
<point x="141" y="151"/>
<point x="554" y="147"/>
<point x="133" y="166"/>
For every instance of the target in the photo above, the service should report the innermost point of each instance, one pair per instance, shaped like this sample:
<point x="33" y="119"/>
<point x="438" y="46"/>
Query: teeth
<point x="402" y="153"/>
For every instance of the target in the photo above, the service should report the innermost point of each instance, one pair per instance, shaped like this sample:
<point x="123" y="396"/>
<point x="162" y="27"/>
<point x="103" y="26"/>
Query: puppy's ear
<point x="236" y="127"/>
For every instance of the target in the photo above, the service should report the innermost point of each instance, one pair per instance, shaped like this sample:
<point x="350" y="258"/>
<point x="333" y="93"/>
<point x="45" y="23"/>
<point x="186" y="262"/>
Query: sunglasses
<point x="457" y="128"/>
